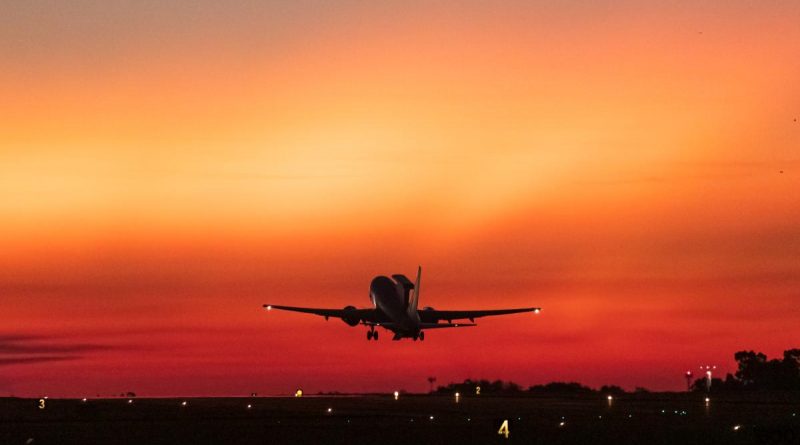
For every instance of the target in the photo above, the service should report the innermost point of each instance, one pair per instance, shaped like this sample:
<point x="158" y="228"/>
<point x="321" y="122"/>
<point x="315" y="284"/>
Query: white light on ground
<point x="330" y="410"/>
<point x="83" y="399"/>
<point x="610" y="398"/>
<point x="396" y="395"/>
<point x="249" y="406"/>
<point x="183" y="403"/>
<point x="130" y="400"/>
<point x="562" y="423"/>
<point x="736" y="427"/>
<point x="431" y="417"/>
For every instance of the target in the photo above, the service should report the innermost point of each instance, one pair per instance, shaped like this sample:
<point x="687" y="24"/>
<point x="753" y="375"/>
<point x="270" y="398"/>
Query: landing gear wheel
<point x="369" y="335"/>
<point x="422" y="336"/>
<point x="416" y="337"/>
<point x="375" y="335"/>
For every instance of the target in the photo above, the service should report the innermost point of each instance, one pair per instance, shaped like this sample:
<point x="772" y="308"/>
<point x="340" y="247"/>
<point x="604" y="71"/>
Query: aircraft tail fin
<point x="412" y="306"/>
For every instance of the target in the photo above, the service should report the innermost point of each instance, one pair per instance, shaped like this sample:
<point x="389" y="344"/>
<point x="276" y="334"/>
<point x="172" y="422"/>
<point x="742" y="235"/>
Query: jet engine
<point x="350" y="316"/>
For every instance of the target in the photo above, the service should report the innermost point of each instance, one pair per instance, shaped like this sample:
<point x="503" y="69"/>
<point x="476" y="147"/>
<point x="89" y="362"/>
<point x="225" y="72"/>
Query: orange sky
<point x="166" y="169"/>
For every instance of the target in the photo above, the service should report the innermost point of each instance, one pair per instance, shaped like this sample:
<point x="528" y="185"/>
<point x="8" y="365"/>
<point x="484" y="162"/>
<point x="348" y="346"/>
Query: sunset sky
<point x="168" y="167"/>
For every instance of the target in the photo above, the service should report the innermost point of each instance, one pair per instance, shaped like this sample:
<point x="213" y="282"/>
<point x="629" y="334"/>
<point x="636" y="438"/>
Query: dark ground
<point x="671" y="418"/>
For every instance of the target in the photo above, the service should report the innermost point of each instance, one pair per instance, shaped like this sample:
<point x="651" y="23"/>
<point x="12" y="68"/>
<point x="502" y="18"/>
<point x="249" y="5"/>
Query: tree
<point x="751" y="367"/>
<point x="561" y="388"/>
<point x="613" y="390"/>
<point x="756" y="372"/>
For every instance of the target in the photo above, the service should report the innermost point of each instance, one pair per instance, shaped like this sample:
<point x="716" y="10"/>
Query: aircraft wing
<point x="433" y="315"/>
<point x="445" y="325"/>
<point x="366" y="315"/>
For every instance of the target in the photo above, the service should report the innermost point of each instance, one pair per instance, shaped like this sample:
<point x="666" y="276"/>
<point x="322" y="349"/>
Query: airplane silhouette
<point x="395" y="302"/>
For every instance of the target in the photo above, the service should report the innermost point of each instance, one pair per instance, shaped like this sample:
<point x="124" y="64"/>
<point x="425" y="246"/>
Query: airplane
<point x="395" y="302"/>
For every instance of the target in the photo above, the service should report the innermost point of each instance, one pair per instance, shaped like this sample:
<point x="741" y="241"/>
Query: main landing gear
<point x="420" y="336"/>
<point x="372" y="334"/>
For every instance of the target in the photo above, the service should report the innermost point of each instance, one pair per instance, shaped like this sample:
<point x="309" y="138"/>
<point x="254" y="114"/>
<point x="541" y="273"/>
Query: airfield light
<point x="83" y="400"/>
<point x="330" y="410"/>
<point x="396" y="395"/>
<point x="183" y="403"/>
<point x="736" y="427"/>
<point x="458" y="396"/>
<point x="708" y="400"/>
<point x="249" y="406"/>
<point x="298" y="393"/>
<point x="130" y="401"/>
<point x="431" y="417"/>
<point x="562" y="423"/>
<point x="610" y="397"/>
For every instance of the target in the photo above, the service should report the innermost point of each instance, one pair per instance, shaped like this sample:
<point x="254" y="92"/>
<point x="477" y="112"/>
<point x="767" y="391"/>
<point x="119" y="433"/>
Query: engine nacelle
<point x="428" y="308"/>
<point x="350" y="316"/>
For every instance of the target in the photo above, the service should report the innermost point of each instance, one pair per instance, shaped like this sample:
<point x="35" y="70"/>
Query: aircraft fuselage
<point x="383" y="292"/>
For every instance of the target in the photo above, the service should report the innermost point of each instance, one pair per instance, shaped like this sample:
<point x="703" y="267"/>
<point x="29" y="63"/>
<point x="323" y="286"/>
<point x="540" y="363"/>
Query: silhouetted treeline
<point x="486" y="387"/>
<point x="510" y="388"/>
<point x="755" y="372"/>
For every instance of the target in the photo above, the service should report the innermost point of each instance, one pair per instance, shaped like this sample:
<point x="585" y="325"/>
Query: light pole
<point x="708" y="369"/>
<point x="431" y="380"/>
<point x="689" y="376"/>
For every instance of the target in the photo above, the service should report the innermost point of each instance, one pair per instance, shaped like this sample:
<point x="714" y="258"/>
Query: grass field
<point x="656" y="418"/>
